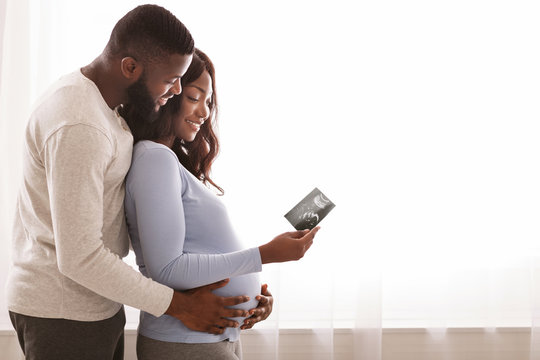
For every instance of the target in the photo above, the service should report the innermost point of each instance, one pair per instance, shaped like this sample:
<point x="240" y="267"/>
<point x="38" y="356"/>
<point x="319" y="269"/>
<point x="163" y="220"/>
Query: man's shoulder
<point x="71" y="100"/>
<point x="71" y="95"/>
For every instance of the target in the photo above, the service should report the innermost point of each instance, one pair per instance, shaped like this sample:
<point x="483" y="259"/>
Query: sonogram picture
<point x="310" y="210"/>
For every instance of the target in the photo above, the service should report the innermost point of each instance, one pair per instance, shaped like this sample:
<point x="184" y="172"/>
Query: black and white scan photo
<point x="310" y="211"/>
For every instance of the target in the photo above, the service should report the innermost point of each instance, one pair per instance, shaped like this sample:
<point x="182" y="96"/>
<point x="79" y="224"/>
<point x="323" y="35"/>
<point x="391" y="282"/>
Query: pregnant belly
<point x="249" y="285"/>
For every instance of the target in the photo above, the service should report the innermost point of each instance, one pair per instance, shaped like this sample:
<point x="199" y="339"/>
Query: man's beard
<point x="141" y="104"/>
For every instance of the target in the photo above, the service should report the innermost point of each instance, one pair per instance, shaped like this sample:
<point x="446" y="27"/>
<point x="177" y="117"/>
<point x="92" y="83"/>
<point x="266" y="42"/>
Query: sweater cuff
<point x="163" y="297"/>
<point x="256" y="258"/>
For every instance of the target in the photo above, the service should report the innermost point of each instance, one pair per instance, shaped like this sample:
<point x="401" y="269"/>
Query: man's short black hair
<point x="148" y="33"/>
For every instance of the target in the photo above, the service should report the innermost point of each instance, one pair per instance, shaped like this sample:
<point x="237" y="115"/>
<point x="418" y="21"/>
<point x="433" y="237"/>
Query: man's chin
<point x="154" y="115"/>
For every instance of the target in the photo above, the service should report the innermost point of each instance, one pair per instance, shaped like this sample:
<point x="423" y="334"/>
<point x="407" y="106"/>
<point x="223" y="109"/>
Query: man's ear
<point x="131" y="69"/>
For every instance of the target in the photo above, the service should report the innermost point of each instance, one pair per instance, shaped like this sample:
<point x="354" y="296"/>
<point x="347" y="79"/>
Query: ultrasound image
<point x="310" y="211"/>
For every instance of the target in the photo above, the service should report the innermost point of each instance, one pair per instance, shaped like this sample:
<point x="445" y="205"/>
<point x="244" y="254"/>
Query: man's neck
<point x="104" y="73"/>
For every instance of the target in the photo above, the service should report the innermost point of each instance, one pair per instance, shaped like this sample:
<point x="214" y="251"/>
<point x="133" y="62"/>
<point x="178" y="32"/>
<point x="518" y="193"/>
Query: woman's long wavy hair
<point x="196" y="156"/>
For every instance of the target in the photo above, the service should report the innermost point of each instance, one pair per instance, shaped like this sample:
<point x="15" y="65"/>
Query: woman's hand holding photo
<point x="289" y="246"/>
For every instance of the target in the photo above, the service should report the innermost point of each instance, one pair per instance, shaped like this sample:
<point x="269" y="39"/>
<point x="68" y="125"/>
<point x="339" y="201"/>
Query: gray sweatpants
<point x="150" y="349"/>
<point x="61" y="339"/>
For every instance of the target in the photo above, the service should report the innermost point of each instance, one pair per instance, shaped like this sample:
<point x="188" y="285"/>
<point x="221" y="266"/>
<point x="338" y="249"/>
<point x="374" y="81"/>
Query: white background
<point x="419" y="119"/>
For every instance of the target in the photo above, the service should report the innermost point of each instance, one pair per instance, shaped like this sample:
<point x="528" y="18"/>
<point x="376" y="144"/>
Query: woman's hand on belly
<point x="246" y="285"/>
<point x="262" y="311"/>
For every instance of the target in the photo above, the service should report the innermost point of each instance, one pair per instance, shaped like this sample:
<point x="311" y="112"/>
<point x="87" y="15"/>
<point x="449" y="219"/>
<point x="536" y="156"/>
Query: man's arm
<point x="75" y="159"/>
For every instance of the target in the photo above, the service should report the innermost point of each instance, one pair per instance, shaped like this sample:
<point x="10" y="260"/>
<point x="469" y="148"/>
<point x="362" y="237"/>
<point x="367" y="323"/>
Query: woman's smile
<point x="196" y="126"/>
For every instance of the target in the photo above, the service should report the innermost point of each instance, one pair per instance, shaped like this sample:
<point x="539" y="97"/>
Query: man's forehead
<point x="172" y="65"/>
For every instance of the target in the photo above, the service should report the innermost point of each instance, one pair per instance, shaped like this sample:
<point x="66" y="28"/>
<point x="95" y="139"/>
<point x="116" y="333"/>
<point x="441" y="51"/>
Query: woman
<point x="179" y="228"/>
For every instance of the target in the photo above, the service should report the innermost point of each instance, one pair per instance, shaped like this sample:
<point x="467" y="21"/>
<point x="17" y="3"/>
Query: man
<point x="67" y="281"/>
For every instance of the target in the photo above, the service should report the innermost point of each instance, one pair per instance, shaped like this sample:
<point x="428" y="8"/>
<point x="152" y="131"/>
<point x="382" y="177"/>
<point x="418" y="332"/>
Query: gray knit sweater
<point x="70" y="233"/>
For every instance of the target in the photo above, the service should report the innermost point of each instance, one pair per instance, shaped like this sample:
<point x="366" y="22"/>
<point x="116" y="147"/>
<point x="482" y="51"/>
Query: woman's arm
<point x="155" y="187"/>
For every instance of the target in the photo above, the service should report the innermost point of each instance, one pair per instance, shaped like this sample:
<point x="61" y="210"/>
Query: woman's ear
<point x="131" y="69"/>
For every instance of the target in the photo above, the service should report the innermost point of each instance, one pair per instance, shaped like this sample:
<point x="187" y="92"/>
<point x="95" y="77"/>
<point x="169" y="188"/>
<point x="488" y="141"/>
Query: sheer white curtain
<point x="419" y="119"/>
<point x="14" y="105"/>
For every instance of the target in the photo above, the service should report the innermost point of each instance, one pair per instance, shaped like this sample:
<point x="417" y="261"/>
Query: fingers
<point x="258" y="312"/>
<point x="261" y="312"/>
<point x="235" y="300"/>
<point x="263" y="300"/>
<point x="265" y="291"/>
<point x="225" y="323"/>
<point x="308" y="237"/>
<point x="313" y="232"/>
<point x="221" y="325"/>
<point x="215" y="330"/>
<point x="232" y="313"/>
<point x="248" y="323"/>
<point x="296" y="234"/>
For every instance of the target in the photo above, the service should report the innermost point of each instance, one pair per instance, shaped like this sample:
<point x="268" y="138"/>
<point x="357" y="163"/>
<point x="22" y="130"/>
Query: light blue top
<point x="183" y="238"/>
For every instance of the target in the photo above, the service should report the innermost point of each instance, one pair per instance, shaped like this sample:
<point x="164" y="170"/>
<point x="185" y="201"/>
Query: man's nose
<point x="177" y="87"/>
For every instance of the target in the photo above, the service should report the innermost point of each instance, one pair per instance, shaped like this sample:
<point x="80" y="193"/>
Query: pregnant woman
<point x="179" y="228"/>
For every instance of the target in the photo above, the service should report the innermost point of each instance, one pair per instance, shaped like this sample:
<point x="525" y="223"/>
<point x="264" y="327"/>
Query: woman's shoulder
<point x="152" y="156"/>
<point x="151" y="149"/>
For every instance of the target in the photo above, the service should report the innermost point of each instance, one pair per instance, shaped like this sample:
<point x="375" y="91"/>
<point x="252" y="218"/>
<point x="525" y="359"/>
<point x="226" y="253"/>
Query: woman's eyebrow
<point x="198" y="88"/>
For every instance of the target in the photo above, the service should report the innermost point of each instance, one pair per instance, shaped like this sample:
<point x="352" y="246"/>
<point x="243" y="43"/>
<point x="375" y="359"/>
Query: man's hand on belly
<point x="201" y="310"/>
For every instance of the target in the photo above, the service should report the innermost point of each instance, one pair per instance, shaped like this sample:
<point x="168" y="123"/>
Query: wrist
<point x="265" y="253"/>
<point x="177" y="306"/>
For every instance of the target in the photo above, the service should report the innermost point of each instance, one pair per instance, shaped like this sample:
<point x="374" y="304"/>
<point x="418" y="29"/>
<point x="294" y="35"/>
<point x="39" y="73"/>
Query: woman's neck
<point x="167" y="141"/>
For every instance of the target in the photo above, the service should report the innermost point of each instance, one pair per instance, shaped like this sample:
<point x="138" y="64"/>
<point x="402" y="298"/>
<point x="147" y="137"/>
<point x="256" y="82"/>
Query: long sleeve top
<point x="70" y="232"/>
<point x="183" y="238"/>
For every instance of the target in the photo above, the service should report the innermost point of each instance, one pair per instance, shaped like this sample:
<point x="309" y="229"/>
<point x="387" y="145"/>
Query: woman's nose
<point x="203" y="112"/>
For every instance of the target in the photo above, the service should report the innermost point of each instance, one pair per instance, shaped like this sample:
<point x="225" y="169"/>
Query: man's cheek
<point x="162" y="91"/>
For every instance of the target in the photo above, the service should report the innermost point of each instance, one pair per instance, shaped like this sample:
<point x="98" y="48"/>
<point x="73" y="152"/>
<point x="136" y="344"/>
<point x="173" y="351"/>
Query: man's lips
<point x="163" y="100"/>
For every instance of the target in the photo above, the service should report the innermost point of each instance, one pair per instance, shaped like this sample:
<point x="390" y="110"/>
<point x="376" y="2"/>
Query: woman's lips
<point x="195" y="125"/>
